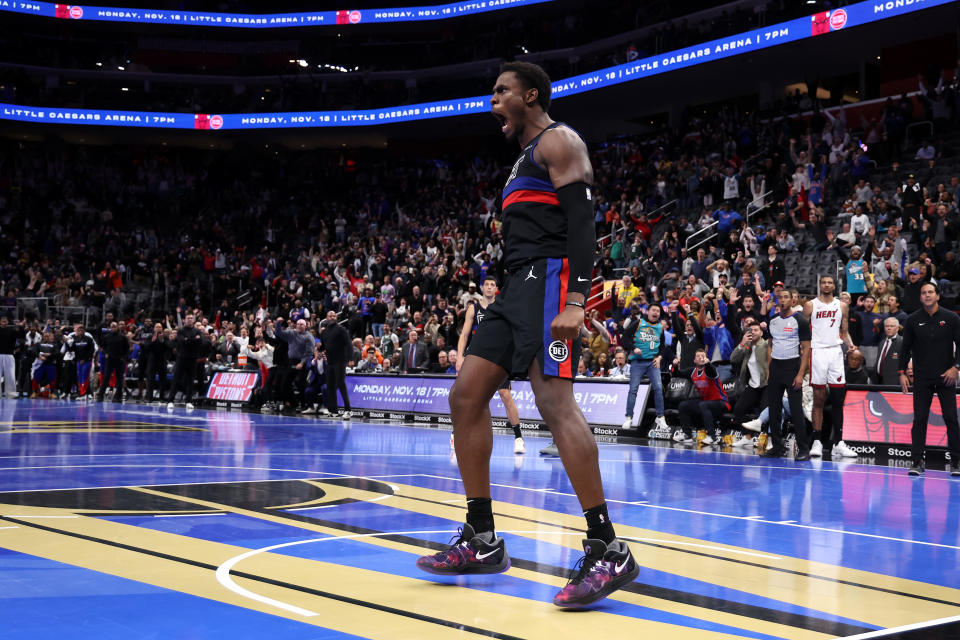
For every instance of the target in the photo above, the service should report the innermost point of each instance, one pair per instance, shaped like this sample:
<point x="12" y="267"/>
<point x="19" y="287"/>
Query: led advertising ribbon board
<point x="799" y="29"/>
<point x="261" y="21"/>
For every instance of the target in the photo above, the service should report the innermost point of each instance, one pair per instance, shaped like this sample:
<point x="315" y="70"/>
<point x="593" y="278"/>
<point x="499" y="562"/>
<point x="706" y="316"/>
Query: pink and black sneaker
<point x="470" y="553"/>
<point x="604" y="569"/>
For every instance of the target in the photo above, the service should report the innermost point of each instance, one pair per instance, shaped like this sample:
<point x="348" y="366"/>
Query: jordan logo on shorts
<point x="530" y="275"/>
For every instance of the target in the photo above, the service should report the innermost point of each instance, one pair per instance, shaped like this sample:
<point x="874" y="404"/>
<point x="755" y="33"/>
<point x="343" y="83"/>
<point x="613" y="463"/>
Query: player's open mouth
<point x="504" y="123"/>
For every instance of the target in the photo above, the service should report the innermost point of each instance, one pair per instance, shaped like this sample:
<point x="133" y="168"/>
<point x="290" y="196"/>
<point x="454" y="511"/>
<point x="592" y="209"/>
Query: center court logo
<point x="558" y="351"/>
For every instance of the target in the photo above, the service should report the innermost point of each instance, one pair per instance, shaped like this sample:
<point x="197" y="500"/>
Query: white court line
<point x="908" y="627"/>
<point x="150" y="414"/>
<point x="226" y="580"/>
<point x="186" y="515"/>
<point x="865" y="469"/>
<point x="732" y="517"/>
<point x="9" y="527"/>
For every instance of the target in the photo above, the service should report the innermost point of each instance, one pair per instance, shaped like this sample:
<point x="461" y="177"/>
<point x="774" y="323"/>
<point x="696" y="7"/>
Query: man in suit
<point x="888" y="363"/>
<point x="413" y="355"/>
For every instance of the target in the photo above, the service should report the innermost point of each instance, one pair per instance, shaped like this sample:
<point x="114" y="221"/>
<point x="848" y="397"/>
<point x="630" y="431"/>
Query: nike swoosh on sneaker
<point x="620" y="567"/>
<point x="481" y="556"/>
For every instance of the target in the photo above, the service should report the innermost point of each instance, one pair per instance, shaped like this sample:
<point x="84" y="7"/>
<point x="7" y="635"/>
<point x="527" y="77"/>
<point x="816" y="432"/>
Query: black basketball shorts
<point x="516" y="327"/>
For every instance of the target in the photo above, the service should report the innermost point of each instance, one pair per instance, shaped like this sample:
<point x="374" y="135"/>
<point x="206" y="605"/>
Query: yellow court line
<point x="96" y="429"/>
<point x="734" y="620"/>
<point x="500" y="613"/>
<point x="883" y="609"/>
<point x="799" y="590"/>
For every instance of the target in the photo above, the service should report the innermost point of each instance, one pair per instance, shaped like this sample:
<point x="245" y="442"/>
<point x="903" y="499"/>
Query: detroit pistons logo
<point x="355" y="17"/>
<point x="216" y="122"/>
<point x="558" y="351"/>
<point x="76" y="12"/>
<point x="838" y="19"/>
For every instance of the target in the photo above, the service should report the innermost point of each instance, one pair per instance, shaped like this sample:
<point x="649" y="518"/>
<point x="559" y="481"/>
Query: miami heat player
<point x="828" y="327"/>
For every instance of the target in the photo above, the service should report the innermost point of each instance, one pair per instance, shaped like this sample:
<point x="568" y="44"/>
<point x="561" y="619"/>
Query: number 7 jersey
<point x="826" y="320"/>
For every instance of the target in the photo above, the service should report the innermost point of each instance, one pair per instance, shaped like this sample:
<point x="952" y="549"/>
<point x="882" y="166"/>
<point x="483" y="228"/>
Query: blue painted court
<point x="129" y="521"/>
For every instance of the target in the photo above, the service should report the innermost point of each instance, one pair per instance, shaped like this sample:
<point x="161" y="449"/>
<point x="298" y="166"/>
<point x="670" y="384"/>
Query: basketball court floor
<point x="128" y="521"/>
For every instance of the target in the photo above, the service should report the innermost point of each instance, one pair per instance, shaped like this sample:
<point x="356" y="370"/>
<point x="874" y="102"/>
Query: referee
<point x="932" y="337"/>
<point x="787" y="359"/>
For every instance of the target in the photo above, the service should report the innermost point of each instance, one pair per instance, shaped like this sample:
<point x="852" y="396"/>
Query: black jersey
<point x="534" y="224"/>
<point x="83" y="347"/>
<point x="47" y="352"/>
<point x="478" y="313"/>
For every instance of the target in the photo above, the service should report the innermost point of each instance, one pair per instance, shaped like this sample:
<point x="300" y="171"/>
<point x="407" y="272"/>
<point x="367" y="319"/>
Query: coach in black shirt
<point x="116" y="348"/>
<point x="336" y="344"/>
<point x="932" y="338"/>
<point x="187" y="346"/>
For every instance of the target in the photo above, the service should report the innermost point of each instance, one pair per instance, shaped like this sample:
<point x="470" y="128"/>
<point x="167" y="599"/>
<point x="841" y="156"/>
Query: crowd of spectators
<point x="394" y="248"/>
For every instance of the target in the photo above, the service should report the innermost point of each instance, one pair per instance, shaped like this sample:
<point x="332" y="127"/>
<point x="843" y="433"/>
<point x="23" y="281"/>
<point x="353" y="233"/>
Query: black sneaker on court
<point x="916" y="469"/>
<point x="954" y="469"/>
<point x="775" y="452"/>
<point x="470" y="553"/>
<point x="602" y="570"/>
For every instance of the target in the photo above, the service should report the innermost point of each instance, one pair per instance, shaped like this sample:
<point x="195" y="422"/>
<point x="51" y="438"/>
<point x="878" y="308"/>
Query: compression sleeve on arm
<point x="577" y="202"/>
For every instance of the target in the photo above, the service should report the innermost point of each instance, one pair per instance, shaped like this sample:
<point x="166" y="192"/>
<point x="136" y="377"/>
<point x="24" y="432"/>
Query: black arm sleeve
<point x="956" y="340"/>
<point x="577" y="202"/>
<point x="803" y="328"/>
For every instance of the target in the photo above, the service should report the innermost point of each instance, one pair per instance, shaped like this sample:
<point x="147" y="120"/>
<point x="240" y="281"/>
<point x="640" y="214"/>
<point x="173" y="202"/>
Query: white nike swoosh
<point x="481" y="556"/>
<point x="579" y="279"/>
<point x="620" y="567"/>
<point x="922" y="323"/>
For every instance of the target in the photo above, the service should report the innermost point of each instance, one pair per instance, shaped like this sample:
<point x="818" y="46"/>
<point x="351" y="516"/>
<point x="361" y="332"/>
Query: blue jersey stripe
<point x="551" y="301"/>
<point x="527" y="182"/>
<point x="723" y="393"/>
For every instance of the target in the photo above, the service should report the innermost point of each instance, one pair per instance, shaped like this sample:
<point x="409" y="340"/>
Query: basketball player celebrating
<point x="828" y="328"/>
<point x="472" y="318"/>
<point x="533" y="327"/>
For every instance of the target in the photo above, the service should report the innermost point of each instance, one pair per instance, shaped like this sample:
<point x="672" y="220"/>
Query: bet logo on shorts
<point x="558" y="351"/>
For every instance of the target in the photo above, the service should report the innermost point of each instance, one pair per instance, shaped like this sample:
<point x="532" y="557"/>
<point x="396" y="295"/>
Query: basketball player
<point x="472" y="318"/>
<point x="83" y="347"/>
<point x="44" y="368"/>
<point x="828" y="328"/>
<point x="533" y="327"/>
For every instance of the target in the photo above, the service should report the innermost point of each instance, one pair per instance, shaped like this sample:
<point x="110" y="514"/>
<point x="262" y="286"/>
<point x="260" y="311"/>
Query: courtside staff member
<point x="787" y="358"/>
<point x="932" y="338"/>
